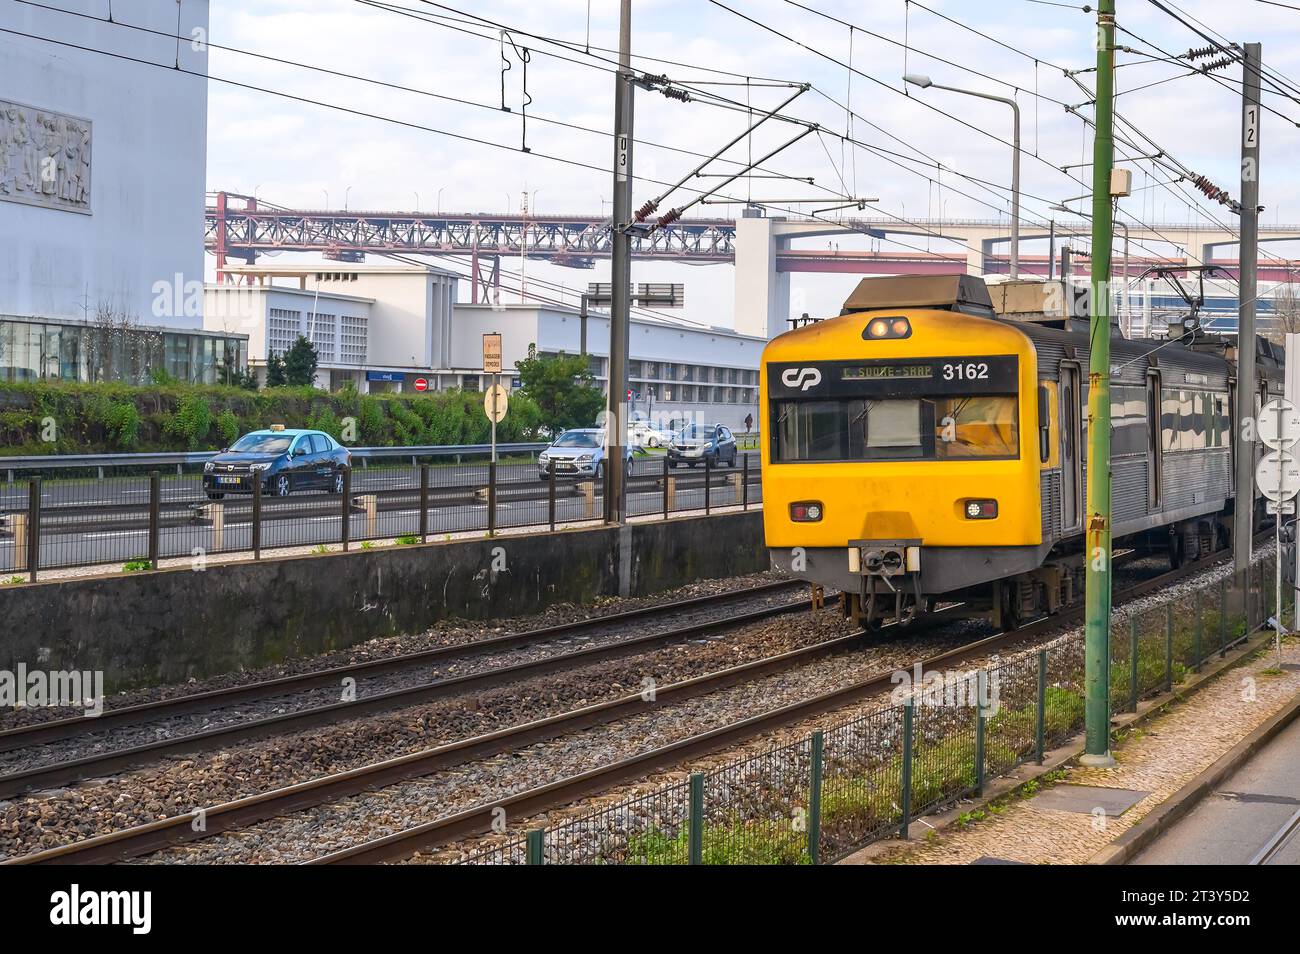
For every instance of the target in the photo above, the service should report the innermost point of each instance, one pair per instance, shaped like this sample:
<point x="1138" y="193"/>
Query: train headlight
<point x="981" y="509"/>
<point x="807" y="511"/>
<point x="879" y="329"/>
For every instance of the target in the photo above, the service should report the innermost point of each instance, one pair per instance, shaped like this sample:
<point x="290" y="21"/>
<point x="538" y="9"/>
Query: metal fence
<point x="136" y="519"/>
<point x="817" y="799"/>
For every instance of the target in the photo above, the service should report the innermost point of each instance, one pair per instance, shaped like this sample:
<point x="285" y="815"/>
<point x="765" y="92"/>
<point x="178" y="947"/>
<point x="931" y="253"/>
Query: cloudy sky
<point x="300" y="154"/>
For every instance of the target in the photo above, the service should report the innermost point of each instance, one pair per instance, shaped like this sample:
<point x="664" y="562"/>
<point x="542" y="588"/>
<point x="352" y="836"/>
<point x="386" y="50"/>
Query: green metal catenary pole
<point x="1097" y="600"/>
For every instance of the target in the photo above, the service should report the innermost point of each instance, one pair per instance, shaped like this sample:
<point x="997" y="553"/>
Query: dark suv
<point x="283" y="460"/>
<point x="696" y="443"/>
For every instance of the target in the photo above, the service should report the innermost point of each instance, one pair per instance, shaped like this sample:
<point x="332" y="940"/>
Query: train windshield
<point x="952" y="427"/>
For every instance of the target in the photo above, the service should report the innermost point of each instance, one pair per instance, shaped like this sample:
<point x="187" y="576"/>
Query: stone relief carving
<point x="44" y="157"/>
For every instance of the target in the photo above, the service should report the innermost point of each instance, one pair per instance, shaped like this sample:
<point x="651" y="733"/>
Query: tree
<point x="1286" y="313"/>
<point x="117" y="347"/>
<point x="562" y="388"/>
<point x="300" y="363"/>
<point x="275" y="375"/>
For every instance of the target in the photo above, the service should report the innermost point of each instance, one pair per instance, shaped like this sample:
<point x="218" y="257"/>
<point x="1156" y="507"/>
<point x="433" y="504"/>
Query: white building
<point x="102" y="160"/>
<point x="372" y="325"/>
<point x="384" y="328"/>
<point x="676" y="372"/>
<point x="102" y="167"/>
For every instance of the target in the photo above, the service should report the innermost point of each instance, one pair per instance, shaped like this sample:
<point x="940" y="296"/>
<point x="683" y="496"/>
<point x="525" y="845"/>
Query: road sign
<point x="1279" y="424"/>
<point x="421" y="384"/>
<point x="1278" y="476"/>
<point x="492" y="353"/>
<point x="495" y="401"/>
<point x="1284" y="507"/>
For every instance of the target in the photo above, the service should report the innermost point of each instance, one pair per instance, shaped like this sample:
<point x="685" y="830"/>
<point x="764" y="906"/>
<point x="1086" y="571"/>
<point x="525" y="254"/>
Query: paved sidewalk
<point x="1158" y="757"/>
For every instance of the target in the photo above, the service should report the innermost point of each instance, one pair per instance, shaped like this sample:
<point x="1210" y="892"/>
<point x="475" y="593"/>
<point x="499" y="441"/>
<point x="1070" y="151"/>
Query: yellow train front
<point x="921" y="449"/>
<point x="901" y="460"/>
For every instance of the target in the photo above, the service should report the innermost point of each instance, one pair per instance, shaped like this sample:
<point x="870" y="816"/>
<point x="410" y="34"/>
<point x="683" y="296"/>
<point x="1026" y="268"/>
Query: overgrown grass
<point x="735" y="842"/>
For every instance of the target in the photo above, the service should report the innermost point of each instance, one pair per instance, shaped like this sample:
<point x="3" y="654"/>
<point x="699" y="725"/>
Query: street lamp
<point x="924" y="82"/>
<point x="438" y="210"/>
<point x="327" y="197"/>
<point x="345" y="197"/>
<point x="417" y="200"/>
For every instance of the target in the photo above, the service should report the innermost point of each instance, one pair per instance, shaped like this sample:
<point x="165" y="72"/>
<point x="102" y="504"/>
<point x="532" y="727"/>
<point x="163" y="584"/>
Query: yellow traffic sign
<point x="495" y="401"/>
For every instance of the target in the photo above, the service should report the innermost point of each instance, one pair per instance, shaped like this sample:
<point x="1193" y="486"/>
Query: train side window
<point x="1044" y="425"/>
<point x="1067" y="423"/>
<point x="1169" y="429"/>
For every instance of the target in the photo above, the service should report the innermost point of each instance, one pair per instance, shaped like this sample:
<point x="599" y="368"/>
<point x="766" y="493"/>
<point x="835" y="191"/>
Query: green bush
<point x="122" y="425"/>
<point x="111" y="417"/>
<point x="227" y="427"/>
<point x="191" y="421"/>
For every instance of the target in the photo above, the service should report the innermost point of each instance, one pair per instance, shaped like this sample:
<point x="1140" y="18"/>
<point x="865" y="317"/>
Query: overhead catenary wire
<point x="421" y="127"/>
<point x="252" y="87"/>
<point x="398" y="87"/>
<point x="916" y="49"/>
<point x="879" y="82"/>
<point x="1267" y="73"/>
<point x="389" y="119"/>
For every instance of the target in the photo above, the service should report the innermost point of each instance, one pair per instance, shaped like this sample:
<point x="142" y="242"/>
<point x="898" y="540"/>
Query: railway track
<point x="1281" y="839"/>
<point x="215" y="701"/>
<point x="240" y="813"/>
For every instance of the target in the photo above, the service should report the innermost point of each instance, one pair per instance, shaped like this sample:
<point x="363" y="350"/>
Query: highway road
<point x="106" y="522"/>
<point x="1232" y="824"/>
<point x="88" y="491"/>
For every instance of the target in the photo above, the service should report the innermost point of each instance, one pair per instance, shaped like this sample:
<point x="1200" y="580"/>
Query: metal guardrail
<point x="48" y="462"/>
<point x="137" y="519"/>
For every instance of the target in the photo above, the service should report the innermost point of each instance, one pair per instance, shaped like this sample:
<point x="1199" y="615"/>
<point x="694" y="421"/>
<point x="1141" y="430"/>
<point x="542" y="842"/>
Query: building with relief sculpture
<point x="102" y="168"/>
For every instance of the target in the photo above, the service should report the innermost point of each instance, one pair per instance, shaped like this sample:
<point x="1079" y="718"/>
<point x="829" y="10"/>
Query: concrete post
<point x="18" y="523"/>
<point x="370" y="507"/>
<point x="218" y="514"/>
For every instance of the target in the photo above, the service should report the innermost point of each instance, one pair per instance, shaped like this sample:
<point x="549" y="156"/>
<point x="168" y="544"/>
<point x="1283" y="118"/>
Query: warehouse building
<point x="385" y="328"/>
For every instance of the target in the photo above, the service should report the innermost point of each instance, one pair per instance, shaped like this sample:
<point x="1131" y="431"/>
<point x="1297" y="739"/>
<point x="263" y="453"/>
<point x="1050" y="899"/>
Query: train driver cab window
<point x="921" y="428"/>
<point x="976" y="426"/>
<point x="810" y="430"/>
<point x="892" y="424"/>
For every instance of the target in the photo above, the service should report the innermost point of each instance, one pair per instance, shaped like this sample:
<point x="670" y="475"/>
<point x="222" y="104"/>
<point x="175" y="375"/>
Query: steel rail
<point x="1281" y="838"/>
<point x="93" y="766"/>
<point x="153" y="836"/>
<point x="478" y="820"/>
<point x="41" y="733"/>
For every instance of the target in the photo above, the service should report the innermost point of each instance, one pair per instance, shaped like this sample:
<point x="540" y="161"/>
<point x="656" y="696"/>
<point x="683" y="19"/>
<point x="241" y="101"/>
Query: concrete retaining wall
<point x="167" y="626"/>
